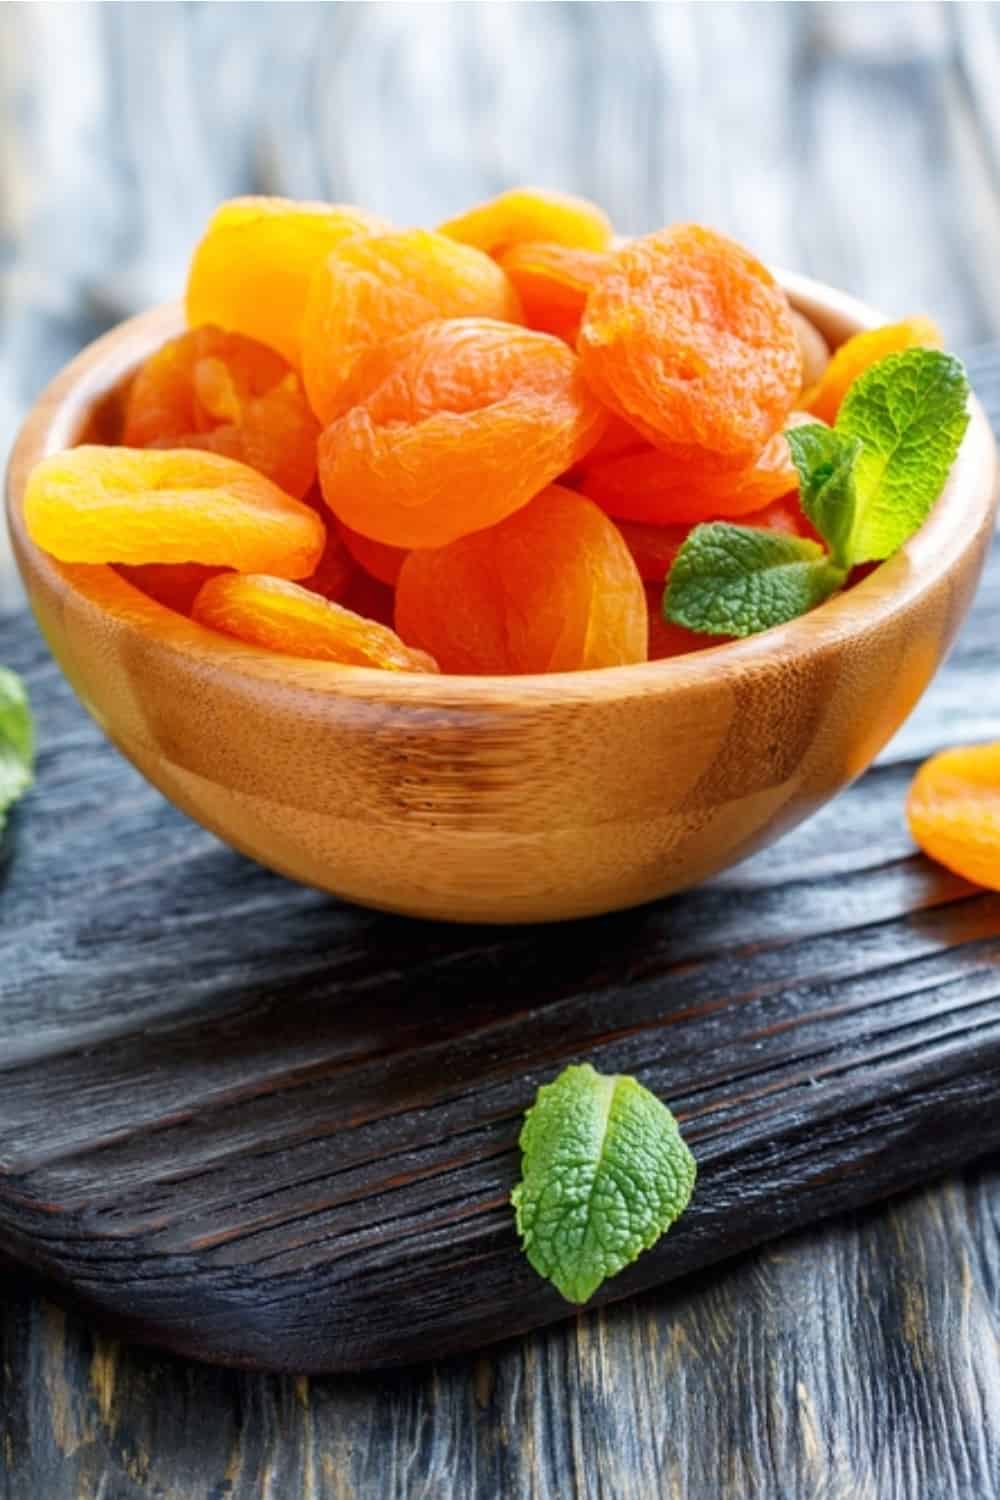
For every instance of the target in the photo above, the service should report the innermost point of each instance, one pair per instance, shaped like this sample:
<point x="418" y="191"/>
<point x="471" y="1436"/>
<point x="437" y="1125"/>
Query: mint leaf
<point x="605" y="1173"/>
<point x="17" y="741"/>
<point x="826" y="461"/>
<point x="736" y="580"/>
<point x="909" y="413"/>
<point x="866" y="484"/>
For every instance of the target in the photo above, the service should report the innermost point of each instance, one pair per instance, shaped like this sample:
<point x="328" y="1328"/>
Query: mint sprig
<point x="736" y="580"/>
<point x="826" y="461"/>
<point x="605" y="1172"/>
<point x="17" y="741"/>
<point x="866" y="484"/>
<point x="909" y="415"/>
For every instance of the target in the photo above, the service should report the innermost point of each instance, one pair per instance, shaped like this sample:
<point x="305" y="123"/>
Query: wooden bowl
<point x="501" y="799"/>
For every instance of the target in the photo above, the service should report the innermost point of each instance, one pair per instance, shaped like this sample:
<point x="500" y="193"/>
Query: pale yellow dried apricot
<point x="527" y="213"/>
<point x="131" y="505"/>
<point x="856" y="354"/>
<point x="251" y="270"/>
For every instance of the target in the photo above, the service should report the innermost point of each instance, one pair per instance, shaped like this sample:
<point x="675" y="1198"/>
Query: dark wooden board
<point x="254" y="1125"/>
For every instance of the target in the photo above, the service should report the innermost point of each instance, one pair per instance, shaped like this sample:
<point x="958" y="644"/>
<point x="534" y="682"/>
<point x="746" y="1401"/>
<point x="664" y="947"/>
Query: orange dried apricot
<point x="374" y="288"/>
<point x="691" y="340"/>
<point x="786" y="516"/>
<point x="552" y="282"/>
<point x="667" y="639"/>
<point x="162" y="505"/>
<point x="230" y="395"/>
<point x="175" y="585"/>
<point x="376" y="558"/>
<point x="456" y="425"/>
<point x="617" y="439"/>
<point x="650" y="485"/>
<point x="858" y="352"/>
<point x="954" y="812"/>
<point x="653" y="548"/>
<point x="250" y="271"/>
<point x="526" y="213"/>
<point x="283" y="617"/>
<point x="552" y="588"/>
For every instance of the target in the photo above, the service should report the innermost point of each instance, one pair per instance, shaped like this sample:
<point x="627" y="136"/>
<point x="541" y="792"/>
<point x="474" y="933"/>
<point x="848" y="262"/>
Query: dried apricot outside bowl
<point x="501" y="799"/>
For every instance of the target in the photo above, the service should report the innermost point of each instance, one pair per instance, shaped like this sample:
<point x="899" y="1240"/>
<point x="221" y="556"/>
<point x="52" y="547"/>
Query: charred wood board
<point x="248" y="1123"/>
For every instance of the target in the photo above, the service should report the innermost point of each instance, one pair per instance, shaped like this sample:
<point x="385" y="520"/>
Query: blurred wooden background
<point x="858" y="142"/>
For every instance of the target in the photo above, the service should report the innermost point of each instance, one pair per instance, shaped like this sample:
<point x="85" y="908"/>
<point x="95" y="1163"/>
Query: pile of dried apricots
<point x="476" y="449"/>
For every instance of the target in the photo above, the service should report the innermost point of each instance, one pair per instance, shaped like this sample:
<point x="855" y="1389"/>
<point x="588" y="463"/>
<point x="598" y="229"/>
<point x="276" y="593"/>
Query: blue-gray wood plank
<point x="860" y="143"/>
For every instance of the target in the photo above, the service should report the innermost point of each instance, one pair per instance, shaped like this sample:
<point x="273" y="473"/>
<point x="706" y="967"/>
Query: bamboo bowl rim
<point x="58" y="417"/>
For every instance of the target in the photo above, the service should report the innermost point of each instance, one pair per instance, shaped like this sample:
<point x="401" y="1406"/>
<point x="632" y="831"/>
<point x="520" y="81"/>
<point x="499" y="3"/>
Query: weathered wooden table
<point x="860" y="143"/>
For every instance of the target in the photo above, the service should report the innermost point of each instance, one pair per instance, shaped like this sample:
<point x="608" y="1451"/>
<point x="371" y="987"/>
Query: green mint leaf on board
<point x="909" y="413"/>
<point x="737" y="580"/>
<point x="826" y="462"/>
<point x="17" y="741"/>
<point x="605" y="1172"/>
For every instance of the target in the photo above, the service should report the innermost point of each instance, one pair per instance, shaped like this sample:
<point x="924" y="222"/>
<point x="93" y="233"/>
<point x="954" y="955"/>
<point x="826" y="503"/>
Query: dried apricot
<point x="785" y="516"/>
<point x="456" y="425"/>
<point x="531" y="214"/>
<point x="552" y="588"/>
<point x="376" y="558"/>
<point x="552" y="282"/>
<point x="856" y="354"/>
<point x="283" y="617"/>
<point x="649" y="485"/>
<point x="374" y="288"/>
<point x="334" y="573"/>
<point x="954" y="812"/>
<point x="230" y="395"/>
<point x="690" y="339"/>
<point x="617" y="439"/>
<point x="175" y="585"/>
<point x="162" y="505"/>
<point x="653" y="548"/>
<point x="667" y="639"/>
<point x="250" y="271"/>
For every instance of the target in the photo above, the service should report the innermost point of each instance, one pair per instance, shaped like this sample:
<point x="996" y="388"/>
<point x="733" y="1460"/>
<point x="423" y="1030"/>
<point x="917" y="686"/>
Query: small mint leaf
<point x="909" y="413"/>
<point x="737" y="580"/>
<point x="826" y="461"/>
<point x="605" y="1172"/>
<point x="17" y="742"/>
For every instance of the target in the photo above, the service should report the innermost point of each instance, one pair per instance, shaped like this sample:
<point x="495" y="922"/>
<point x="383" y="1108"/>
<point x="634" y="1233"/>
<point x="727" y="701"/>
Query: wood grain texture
<point x="260" y="1128"/>
<point x="726" y="1386"/>
<point x="862" y="145"/>
<point x="501" y="798"/>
